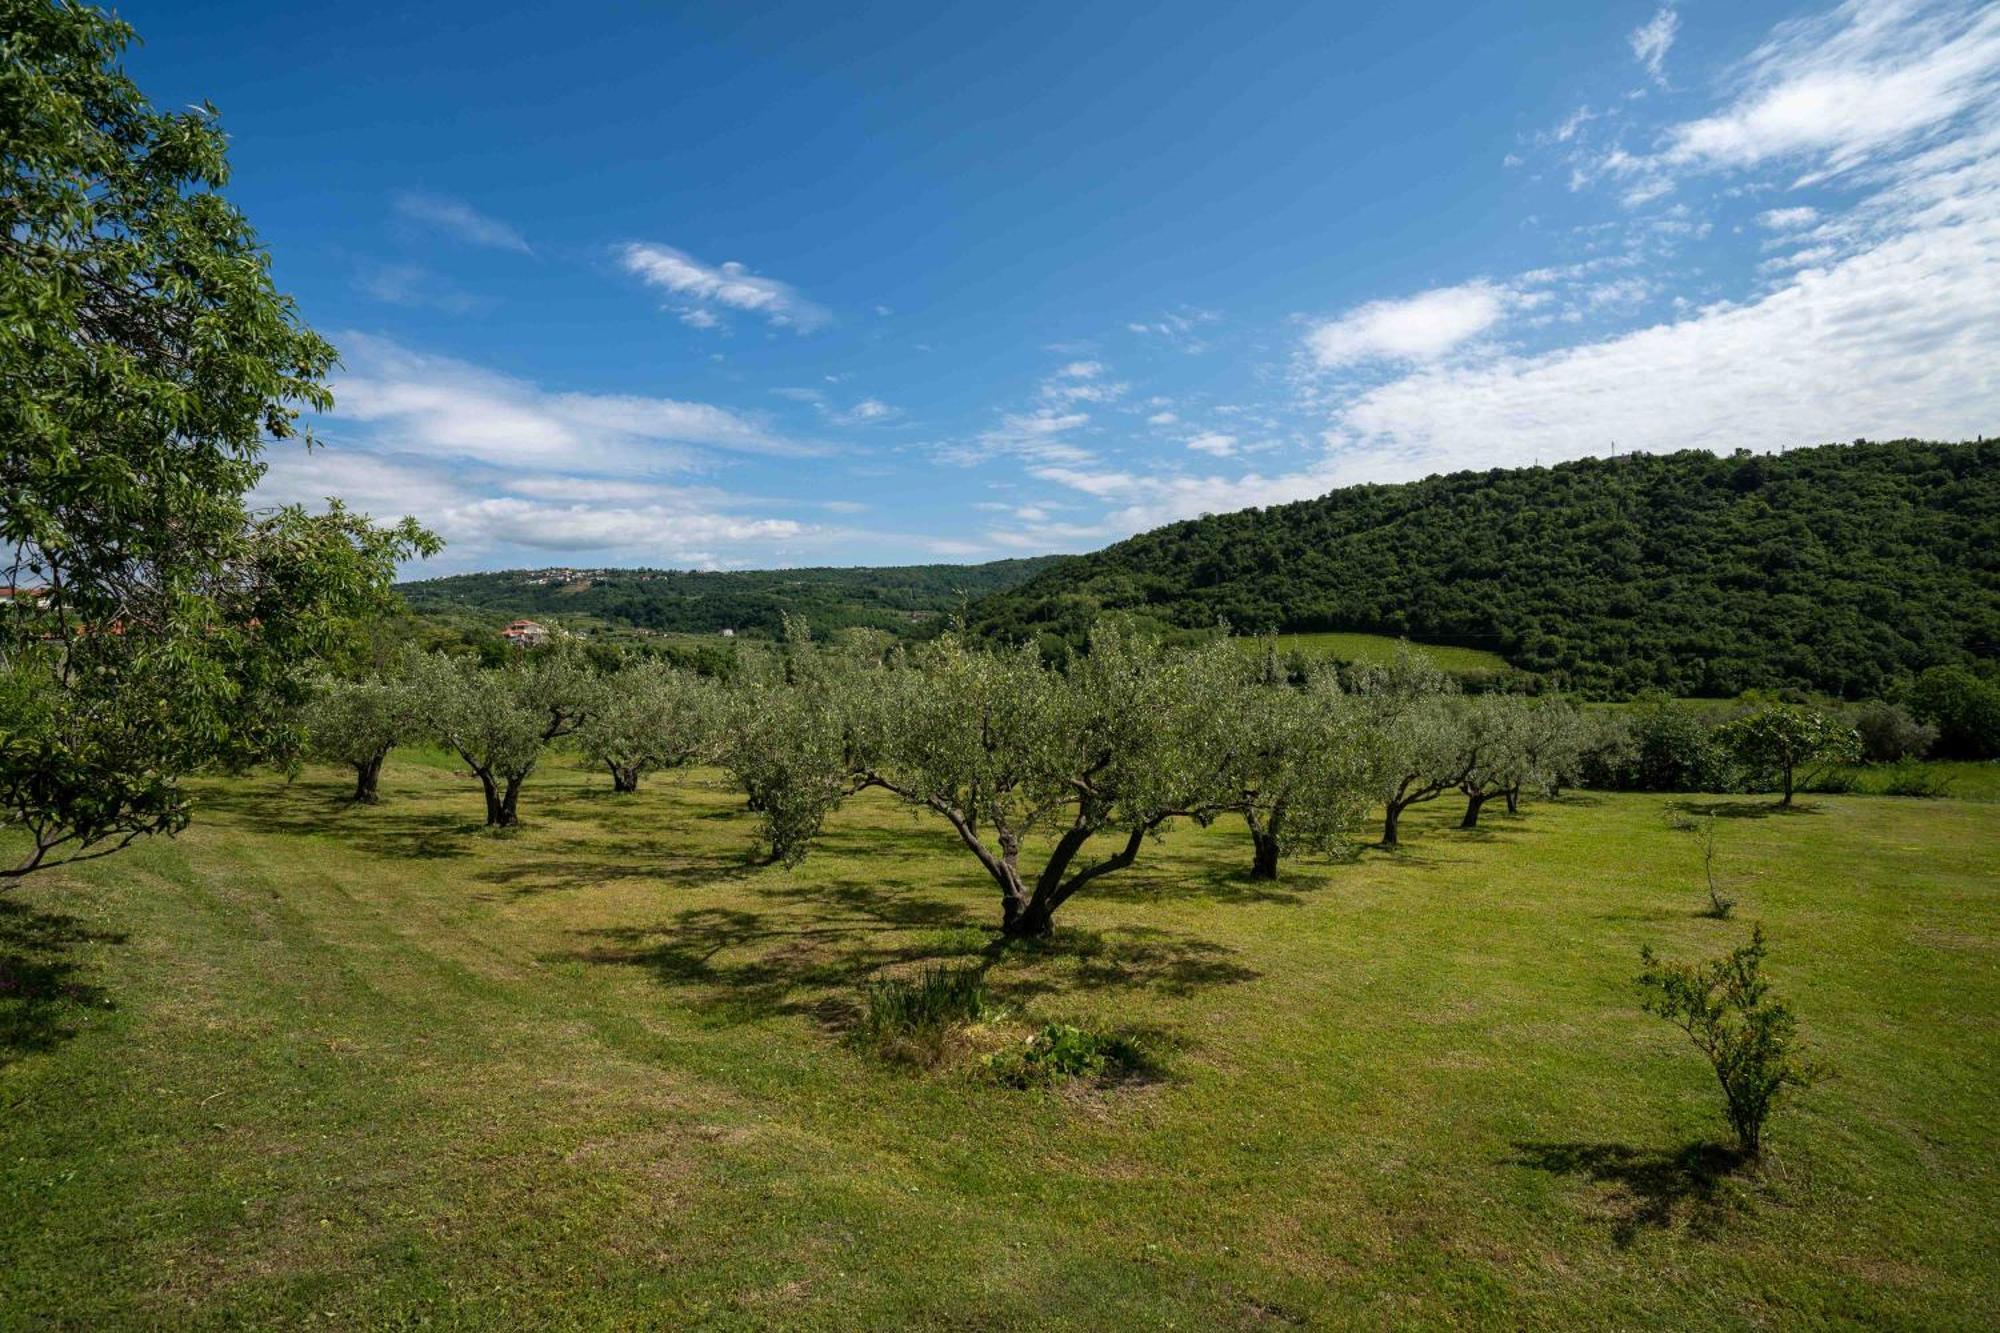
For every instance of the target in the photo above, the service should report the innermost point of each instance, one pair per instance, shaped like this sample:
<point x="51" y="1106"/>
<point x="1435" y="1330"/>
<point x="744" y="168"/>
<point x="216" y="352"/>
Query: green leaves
<point x="1724" y="1006"/>
<point x="145" y="360"/>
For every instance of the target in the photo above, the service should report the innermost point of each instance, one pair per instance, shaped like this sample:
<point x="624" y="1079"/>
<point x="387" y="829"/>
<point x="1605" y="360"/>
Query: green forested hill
<point x="1838" y="568"/>
<point x="895" y="598"/>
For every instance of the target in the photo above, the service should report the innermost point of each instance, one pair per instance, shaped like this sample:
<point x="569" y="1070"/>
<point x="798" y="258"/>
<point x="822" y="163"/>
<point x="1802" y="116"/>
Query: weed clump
<point x="912" y="1021"/>
<point x="1063" y="1053"/>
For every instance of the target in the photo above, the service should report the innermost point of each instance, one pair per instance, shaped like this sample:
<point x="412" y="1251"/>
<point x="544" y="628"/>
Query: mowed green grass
<point x="318" y="1065"/>
<point x="1378" y="649"/>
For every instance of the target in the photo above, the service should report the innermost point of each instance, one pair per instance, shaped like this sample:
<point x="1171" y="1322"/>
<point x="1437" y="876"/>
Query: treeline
<point x="1846" y="569"/>
<point x="1051" y="776"/>
<point x="900" y="599"/>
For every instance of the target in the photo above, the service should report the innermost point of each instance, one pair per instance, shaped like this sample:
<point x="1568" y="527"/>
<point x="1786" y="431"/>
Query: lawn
<point x="1377" y="649"/>
<point x="376" y="1067"/>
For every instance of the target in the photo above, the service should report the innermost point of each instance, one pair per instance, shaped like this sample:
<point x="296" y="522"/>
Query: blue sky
<point x="692" y="286"/>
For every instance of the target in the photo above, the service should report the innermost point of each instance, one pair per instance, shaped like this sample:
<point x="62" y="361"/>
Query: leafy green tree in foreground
<point x="648" y="716"/>
<point x="146" y="359"/>
<point x="1779" y="738"/>
<point x="1750" y="1039"/>
<point x="358" y="722"/>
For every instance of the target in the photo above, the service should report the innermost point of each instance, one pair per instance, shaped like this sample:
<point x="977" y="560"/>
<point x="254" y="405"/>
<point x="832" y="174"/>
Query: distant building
<point x="30" y="598"/>
<point x="729" y="634"/>
<point x="525" y="634"/>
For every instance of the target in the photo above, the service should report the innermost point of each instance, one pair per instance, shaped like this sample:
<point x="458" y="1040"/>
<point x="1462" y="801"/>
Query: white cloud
<point x="1620" y="293"/>
<point x="1831" y="91"/>
<point x="1787" y="219"/>
<point x="1213" y="442"/>
<point x="1418" y="328"/>
<point x="461" y="220"/>
<point x="440" y="407"/>
<point x="1652" y="40"/>
<point x="1902" y="339"/>
<point x="731" y="285"/>
<point x="1162" y="419"/>
<point x="868" y="409"/>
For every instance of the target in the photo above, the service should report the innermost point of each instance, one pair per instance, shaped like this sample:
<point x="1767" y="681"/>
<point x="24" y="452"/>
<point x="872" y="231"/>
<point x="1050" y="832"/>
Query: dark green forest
<point x="901" y="599"/>
<point x="1842" y="568"/>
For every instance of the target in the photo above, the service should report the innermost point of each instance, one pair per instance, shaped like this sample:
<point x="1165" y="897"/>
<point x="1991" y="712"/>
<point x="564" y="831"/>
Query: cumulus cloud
<point x="1901" y="339"/>
<point x="730" y="285"/>
<point x="1213" y="442"/>
<point x="1417" y="328"/>
<point x="461" y="220"/>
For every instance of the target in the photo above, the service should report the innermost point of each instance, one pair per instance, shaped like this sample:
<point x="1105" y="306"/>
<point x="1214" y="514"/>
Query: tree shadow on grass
<point x="597" y="864"/>
<point x="413" y="835"/>
<point x="810" y="954"/>
<point x="41" y="985"/>
<point x="1233" y="886"/>
<point x="1653" y="1189"/>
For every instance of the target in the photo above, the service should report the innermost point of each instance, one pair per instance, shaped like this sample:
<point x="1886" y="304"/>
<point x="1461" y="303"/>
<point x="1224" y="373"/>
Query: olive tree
<point x="1779" y="738"/>
<point x="1509" y="744"/>
<point x="1491" y="758"/>
<point x="1022" y="760"/>
<point x="1408" y="715"/>
<point x="785" y="741"/>
<point x="1009" y="751"/>
<point x="1293" y="763"/>
<point x="147" y="360"/>
<point x="650" y="715"/>
<point x="499" y="720"/>
<point x="1553" y="736"/>
<point x="357" y="723"/>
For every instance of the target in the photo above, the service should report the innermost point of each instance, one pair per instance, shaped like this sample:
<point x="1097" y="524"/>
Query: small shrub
<point x="1751" y="1040"/>
<point x="1062" y="1052"/>
<point x="1916" y="780"/>
<point x="912" y="1020"/>
<point x="1719" y="907"/>
<point x="1889" y="734"/>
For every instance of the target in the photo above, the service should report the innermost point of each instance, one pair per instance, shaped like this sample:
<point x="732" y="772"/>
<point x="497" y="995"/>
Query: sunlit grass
<point x="378" y="1066"/>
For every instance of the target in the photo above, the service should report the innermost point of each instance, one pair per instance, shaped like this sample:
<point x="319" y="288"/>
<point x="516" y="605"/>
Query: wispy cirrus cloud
<point x="1652" y="40"/>
<point x="417" y="403"/>
<point x="461" y="220"/>
<point x="701" y="288"/>
<point x="1828" y="93"/>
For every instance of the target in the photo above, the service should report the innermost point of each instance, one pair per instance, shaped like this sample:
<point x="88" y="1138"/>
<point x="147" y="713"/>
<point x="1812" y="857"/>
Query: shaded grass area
<point x="1379" y="649"/>
<point x="377" y="1066"/>
<point x="1963" y="779"/>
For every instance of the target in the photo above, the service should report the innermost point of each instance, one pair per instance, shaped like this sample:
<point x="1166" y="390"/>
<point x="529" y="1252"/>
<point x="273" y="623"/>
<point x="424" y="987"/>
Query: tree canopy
<point x="159" y="623"/>
<point x="1843" y="568"/>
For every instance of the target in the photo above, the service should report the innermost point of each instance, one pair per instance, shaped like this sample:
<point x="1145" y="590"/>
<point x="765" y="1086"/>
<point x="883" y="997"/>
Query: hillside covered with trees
<point x="1844" y="568"/>
<point x="896" y="598"/>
